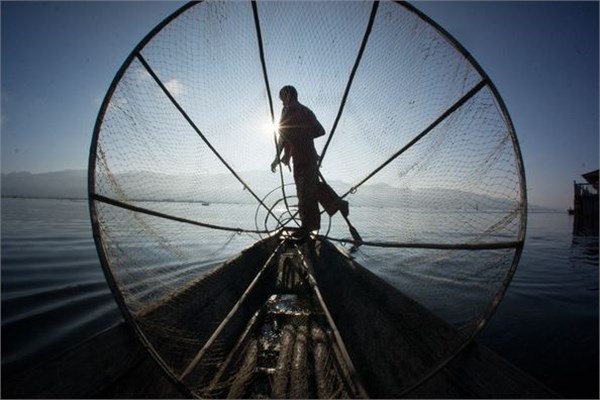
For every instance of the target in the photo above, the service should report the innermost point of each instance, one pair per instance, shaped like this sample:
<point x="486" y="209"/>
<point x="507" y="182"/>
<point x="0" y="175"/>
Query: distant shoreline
<point x="85" y="199"/>
<point x="530" y="210"/>
<point x="4" y="196"/>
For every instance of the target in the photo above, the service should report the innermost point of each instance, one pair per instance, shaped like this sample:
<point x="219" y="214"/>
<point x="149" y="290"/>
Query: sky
<point x="59" y="58"/>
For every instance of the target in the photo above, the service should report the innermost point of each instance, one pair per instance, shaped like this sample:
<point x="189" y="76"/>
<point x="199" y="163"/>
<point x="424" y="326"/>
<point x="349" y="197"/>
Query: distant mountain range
<point x="72" y="184"/>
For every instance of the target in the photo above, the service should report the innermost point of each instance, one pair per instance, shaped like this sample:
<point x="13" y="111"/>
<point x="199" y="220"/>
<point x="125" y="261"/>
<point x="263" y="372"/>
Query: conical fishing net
<point x="417" y="140"/>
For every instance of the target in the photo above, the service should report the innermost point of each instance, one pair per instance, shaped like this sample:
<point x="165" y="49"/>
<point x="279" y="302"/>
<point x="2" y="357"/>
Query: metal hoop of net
<point x="418" y="141"/>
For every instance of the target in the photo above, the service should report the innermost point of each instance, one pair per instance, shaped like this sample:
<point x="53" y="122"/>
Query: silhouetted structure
<point x="585" y="206"/>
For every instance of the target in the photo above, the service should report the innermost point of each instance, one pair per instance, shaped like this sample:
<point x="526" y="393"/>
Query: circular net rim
<point x="94" y="197"/>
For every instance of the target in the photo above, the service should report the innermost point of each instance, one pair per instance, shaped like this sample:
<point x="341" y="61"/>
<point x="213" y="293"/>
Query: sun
<point x="268" y="127"/>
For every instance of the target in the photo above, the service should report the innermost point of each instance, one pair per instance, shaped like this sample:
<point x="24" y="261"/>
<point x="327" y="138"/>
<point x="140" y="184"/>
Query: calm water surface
<point x="547" y="324"/>
<point x="54" y="294"/>
<point x="53" y="290"/>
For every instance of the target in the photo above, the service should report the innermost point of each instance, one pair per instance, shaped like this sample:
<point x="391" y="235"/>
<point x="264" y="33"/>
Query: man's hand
<point x="274" y="165"/>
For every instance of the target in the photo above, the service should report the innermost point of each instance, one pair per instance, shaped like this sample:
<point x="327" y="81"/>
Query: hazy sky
<point x="58" y="59"/>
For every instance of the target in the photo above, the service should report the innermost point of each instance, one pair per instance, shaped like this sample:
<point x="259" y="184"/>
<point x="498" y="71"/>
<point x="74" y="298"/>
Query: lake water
<point x="54" y="294"/>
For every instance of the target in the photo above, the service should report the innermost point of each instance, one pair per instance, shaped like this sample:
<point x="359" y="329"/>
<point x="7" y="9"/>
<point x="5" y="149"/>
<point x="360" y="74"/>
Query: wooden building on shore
<point x="585" y="205"/>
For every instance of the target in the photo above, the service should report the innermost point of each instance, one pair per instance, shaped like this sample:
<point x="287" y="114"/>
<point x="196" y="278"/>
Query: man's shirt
<point x="298" y="128"/>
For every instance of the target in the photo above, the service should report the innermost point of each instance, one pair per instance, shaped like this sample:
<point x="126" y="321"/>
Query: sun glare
<point x="268" y="127"/>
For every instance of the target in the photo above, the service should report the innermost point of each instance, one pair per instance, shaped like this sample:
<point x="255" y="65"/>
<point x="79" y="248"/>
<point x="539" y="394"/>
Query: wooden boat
<point x="297" y="321"/>
<point x="285" y="319"/>
<point x="300" y="320"/>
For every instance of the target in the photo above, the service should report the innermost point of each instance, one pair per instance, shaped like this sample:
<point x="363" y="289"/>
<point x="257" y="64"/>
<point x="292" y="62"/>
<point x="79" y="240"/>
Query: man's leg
<point x="306" y="190"/>
<point x="330" y="201"/>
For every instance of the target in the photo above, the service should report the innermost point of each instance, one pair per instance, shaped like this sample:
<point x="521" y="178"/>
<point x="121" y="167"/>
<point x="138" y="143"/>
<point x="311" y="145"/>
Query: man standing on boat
<point x="298" y="128"/>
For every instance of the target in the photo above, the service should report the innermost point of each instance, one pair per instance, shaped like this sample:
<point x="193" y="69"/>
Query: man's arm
<point x="276" y="161"/>
<point x="282" y="145"/>
<point x="317" y="128"/>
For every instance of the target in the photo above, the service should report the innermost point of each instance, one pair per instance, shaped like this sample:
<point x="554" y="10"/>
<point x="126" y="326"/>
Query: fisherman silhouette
<point x="298" y="127"/>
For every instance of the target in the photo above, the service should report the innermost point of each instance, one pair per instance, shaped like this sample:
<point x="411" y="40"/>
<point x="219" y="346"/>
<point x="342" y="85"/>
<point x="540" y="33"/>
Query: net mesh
<point x="423" y="150"/>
